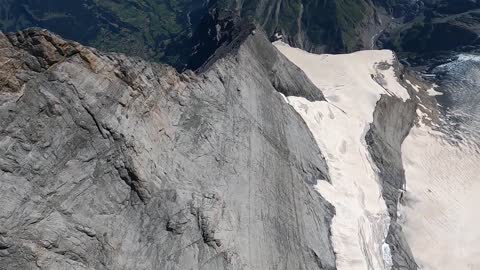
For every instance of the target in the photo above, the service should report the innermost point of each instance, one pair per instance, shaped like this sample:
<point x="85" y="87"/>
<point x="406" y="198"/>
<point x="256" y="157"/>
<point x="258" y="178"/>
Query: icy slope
<point x="440" y="219"/>
<point x="352" y="85"/>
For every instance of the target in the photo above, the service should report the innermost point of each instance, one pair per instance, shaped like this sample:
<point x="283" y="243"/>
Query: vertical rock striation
<point x="110" y="162"/>
<point x="392" y="120"/>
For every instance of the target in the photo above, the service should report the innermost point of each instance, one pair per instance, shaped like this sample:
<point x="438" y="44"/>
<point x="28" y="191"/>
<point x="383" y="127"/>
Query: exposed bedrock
<point x="224" y="33"/>
<point x="110" y="162"/>
<point x="392" y="120"/>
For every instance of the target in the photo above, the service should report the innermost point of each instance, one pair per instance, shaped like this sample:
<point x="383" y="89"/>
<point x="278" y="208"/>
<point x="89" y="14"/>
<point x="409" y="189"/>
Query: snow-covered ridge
<point x="352" y="85"/>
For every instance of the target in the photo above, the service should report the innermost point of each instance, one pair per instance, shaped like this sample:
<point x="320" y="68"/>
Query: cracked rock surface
<point x="110" y="162"/>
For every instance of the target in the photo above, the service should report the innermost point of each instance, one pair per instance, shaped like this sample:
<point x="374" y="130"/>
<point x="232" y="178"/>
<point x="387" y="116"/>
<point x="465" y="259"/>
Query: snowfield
<point x="339" y="126"/>
<point x="441" y="220"/>
<point x="439" y="214"/>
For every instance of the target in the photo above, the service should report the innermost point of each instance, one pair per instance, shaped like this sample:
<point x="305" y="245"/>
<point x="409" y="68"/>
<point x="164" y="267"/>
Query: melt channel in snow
<point x="339" y="126"/>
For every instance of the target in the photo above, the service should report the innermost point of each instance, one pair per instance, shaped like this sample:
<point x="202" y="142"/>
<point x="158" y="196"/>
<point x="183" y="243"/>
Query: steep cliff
<point x="392" y="121"/>
<point x="111" y="162"/>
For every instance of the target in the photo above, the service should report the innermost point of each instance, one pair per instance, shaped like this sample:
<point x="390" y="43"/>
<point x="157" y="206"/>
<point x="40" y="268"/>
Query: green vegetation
<point x="289" y="16"/>
<point x="350" y="16"/>
<point x="159" y="29"/>
<point x="434" y="36"/>
<point x="145" y="28"/>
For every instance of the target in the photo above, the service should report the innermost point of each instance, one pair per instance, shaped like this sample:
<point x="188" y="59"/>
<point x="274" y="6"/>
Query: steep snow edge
<point x="352" y="85"/>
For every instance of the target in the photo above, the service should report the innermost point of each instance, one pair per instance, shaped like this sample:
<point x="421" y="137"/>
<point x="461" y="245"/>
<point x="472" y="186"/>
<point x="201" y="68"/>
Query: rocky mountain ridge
<point x="118" y="163"/>
<point x="111" y="162"/>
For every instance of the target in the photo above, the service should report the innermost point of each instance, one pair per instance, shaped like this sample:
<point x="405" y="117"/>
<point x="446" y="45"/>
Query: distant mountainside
<point x="145" y="28"/>
<point x="161" y="30"/>
<point x="318" y="26"/>
<point x="434" y="30"/>
<point x="112" y="162"/>
<point x="265" y="157"/>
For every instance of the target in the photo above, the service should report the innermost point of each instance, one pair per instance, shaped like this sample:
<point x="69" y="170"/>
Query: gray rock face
<point x="224" y="33"/>
<point x="392" y="120"/>
<point x="109" y="162"/>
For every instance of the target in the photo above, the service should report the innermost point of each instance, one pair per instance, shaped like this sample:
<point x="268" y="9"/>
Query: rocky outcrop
<point x="110" y="162"/>
<point x="226" y="34"/>
<point x="392" y="120"/>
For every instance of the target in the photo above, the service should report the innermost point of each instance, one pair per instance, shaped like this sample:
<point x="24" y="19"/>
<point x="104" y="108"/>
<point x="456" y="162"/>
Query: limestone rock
<point x="111" y="162"/>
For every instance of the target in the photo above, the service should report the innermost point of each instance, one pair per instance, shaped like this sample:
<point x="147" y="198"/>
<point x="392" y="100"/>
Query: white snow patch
<point x="387" y="255"/>
<point x="339" y="126"/>
<point x="416" y="87"/>
<point x="278" y="36"/>
<point x="441" y="220"/>
<point x="433" y="92"/>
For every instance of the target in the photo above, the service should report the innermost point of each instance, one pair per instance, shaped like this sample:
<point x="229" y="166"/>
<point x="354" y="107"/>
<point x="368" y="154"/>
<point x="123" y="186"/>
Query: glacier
<point x="437" y="205"/>
<point x="442" y="175"/>
<point x="352" y="85"/>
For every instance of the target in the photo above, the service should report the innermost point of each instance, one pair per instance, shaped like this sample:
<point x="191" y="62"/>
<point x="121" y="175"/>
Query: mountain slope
<point x="357" y="127"/>
<point x="110" y="162"/>
<point x="263" y="158"/>
<point x="146" y="28"/>
<point x="402" y="163"/>
<point x="318" y="26"/>
<point x="434" y="31"/>
<point x="442" y="179"/>
<point x="161" y="29"/>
